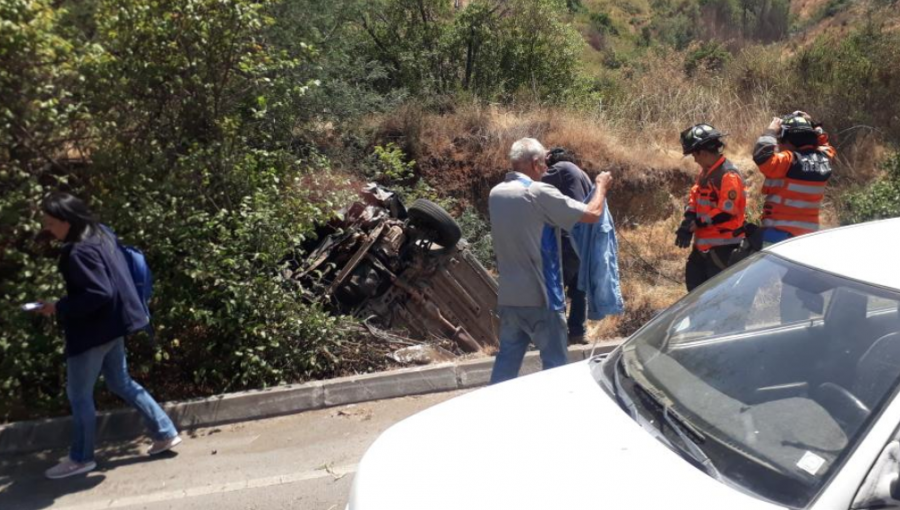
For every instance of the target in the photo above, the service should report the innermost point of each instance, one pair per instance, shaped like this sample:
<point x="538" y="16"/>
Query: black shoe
<point x="577" y="340"/>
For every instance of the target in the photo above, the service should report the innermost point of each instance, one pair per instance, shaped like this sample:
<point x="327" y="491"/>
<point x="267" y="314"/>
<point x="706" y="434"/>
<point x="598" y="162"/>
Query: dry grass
<point x="661" y="101"/>
<point x="652" y="270"/>
<point x="805" y="9"/>
<point x="463" y="153"/>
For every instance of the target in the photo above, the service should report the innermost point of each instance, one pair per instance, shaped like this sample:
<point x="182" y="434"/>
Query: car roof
<point x="867" y="252"/>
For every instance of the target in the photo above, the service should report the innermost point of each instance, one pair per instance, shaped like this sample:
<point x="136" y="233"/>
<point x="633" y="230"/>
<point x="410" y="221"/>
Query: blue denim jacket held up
<point x="598" y="275"/>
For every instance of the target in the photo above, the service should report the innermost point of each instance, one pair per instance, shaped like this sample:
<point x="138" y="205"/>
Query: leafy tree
<point x="42" y="119"/>
<point x="405" y="35"/>
<point x="185" y="113"/>
<point x="352" y="82"/>
<point x="490" y="48"/>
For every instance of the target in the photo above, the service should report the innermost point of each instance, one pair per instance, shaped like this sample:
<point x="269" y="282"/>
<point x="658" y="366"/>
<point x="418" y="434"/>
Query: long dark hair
<point x="71" y="209"/>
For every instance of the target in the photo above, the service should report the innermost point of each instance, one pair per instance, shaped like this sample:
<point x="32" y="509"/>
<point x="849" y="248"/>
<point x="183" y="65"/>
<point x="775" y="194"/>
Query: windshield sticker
<point x="811" y="463"/>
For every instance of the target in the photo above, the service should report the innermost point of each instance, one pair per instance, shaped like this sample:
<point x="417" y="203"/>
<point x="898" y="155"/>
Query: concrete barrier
<point x="120" y="424"/>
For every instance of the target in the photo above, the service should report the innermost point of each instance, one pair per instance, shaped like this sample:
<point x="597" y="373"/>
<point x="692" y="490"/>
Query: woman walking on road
<point x="100" y="309"/>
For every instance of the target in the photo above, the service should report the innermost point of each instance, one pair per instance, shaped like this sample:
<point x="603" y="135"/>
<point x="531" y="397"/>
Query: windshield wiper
<point x="678" y="424"/>
<point x="617" y="386"/>
<point x="693" y="449"/>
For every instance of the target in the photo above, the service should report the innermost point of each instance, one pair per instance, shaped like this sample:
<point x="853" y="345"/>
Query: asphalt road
<point x="305" y="461"/>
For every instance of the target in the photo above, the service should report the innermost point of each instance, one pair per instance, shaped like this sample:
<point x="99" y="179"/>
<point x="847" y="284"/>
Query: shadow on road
<point x="24" y="487"/>
<point x="35" y="493"/>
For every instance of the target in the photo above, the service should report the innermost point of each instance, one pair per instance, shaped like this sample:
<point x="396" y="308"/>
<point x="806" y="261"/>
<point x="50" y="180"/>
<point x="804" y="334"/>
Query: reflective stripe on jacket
<point x="719" y="200"/>
<point x="795" y="183"/>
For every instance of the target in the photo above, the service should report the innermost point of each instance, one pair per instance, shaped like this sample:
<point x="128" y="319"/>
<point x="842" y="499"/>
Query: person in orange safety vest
<point x="795" y="157"/>
<point x="715" y="216"/>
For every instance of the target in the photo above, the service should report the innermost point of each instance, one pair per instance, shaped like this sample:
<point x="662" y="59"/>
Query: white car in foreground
<point x="772" y="386"/>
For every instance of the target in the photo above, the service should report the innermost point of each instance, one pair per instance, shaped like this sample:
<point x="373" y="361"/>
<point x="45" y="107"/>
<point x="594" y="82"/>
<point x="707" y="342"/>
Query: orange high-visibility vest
<point x="718" y="190"/>
<point x="795" y="184"/>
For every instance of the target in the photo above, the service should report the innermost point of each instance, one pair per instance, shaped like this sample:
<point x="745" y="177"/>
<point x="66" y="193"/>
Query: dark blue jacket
<point x="572" y="182"/>
<point x="101" y="303"/>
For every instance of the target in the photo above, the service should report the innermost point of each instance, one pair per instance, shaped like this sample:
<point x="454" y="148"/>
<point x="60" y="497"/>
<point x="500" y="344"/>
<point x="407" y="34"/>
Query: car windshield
<point x="778" y="367"/>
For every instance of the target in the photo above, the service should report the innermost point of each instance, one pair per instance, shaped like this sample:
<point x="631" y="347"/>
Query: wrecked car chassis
<point x="405" y="270"/>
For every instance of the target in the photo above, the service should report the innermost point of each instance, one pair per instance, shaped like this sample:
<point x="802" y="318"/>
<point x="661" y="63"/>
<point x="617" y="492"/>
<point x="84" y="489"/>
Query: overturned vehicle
<point x="401" y="269"/>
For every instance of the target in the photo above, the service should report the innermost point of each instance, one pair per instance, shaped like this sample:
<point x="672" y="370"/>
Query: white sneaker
<point x="69" y="467"/>
<point x="164" y="445"/>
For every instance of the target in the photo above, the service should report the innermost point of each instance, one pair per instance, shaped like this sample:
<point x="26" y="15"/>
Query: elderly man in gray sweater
<point x="526" y="218"/>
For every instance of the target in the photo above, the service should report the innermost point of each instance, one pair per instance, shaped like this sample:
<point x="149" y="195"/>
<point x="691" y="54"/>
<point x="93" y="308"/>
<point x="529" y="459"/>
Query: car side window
<point x="877" y="305"/>
<point x="779" y="303"/>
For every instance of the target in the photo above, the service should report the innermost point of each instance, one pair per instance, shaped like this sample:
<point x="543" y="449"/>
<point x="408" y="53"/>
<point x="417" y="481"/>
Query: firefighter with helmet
<point x="714" y="217"/>
<point x="796" y="159"/>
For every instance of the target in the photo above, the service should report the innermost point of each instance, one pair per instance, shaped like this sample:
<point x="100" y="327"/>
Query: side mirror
<point x="880" y="488"/>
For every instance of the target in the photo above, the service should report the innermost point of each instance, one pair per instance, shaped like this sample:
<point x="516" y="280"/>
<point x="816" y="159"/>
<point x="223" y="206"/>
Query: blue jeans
<point x="520" y="325"/>
<point x="82" y="372"/>
<point x="773" y="235"/>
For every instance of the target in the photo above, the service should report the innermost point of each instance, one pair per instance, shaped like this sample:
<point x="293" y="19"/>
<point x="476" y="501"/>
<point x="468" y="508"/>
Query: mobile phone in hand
<point x="30" y="307"/>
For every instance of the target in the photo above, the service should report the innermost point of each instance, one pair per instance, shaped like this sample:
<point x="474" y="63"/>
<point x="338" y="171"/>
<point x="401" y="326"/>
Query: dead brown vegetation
<point x="462" y="152"/>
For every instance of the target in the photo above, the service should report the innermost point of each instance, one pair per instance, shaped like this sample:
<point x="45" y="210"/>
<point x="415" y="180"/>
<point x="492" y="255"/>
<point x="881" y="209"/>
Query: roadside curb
<point x="29" y="436"/>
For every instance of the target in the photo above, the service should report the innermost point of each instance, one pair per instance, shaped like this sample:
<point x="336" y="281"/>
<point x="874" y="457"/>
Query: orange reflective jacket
<point x="795" y="183"/>
<point x="718" y="199"/>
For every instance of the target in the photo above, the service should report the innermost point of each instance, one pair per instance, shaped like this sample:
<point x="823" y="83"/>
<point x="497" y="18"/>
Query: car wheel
<point x="438" y="226"/>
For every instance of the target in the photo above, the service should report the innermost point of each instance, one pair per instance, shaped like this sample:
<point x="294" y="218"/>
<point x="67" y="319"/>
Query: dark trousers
<point x="577" y="299"/>
<point x="577" y="308"/>
<point x="703" y="266"/>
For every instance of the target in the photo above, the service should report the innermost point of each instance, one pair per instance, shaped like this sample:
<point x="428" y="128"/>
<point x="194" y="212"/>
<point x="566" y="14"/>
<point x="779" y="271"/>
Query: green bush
<point x="678" y="29"/>
<point x="832" y="8"/>
<point x="709" y="57"/>
<point x="850" y="81"/>
<point x="390" y="165"/>
<point x="39" y="72"/>
<point x="186" y="115"/>
<point x="878" y="200"/>
<point x="477" y="231"/>
<point x="525" y="48"/>
<point x="603" y="23"/>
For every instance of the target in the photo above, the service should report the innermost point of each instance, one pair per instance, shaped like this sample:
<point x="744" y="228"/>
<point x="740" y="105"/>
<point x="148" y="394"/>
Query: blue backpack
<point x="143" y="279"/>
<point x="140" y="273"/>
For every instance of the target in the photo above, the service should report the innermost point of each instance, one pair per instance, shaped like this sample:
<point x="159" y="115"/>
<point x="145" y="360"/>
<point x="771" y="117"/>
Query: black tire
<point x="438" y="226"/>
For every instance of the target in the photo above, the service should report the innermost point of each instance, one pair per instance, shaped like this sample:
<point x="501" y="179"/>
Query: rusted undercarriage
<point x="406" y="271"/>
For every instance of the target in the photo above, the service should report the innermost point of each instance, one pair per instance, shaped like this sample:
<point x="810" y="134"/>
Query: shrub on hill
<point x="852" y="80"/>
<point x="497" y="51"/>
<point x="186" y="114"/>
<point x="877" y="200"/>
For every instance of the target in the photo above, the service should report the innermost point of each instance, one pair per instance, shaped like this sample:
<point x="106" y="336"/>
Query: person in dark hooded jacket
<point x="563" y="174"/>
<point x="101" y="307"/>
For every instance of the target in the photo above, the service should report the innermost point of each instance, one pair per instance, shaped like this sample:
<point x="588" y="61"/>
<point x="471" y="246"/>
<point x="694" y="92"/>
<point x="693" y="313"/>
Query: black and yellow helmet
<point x="798" y="129"/>
<point x="795" y="123"/>
<point x="698" y="137"/>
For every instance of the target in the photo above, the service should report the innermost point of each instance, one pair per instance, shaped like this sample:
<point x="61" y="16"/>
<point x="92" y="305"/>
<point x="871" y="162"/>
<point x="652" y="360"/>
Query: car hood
<point x="554" y="440"/>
